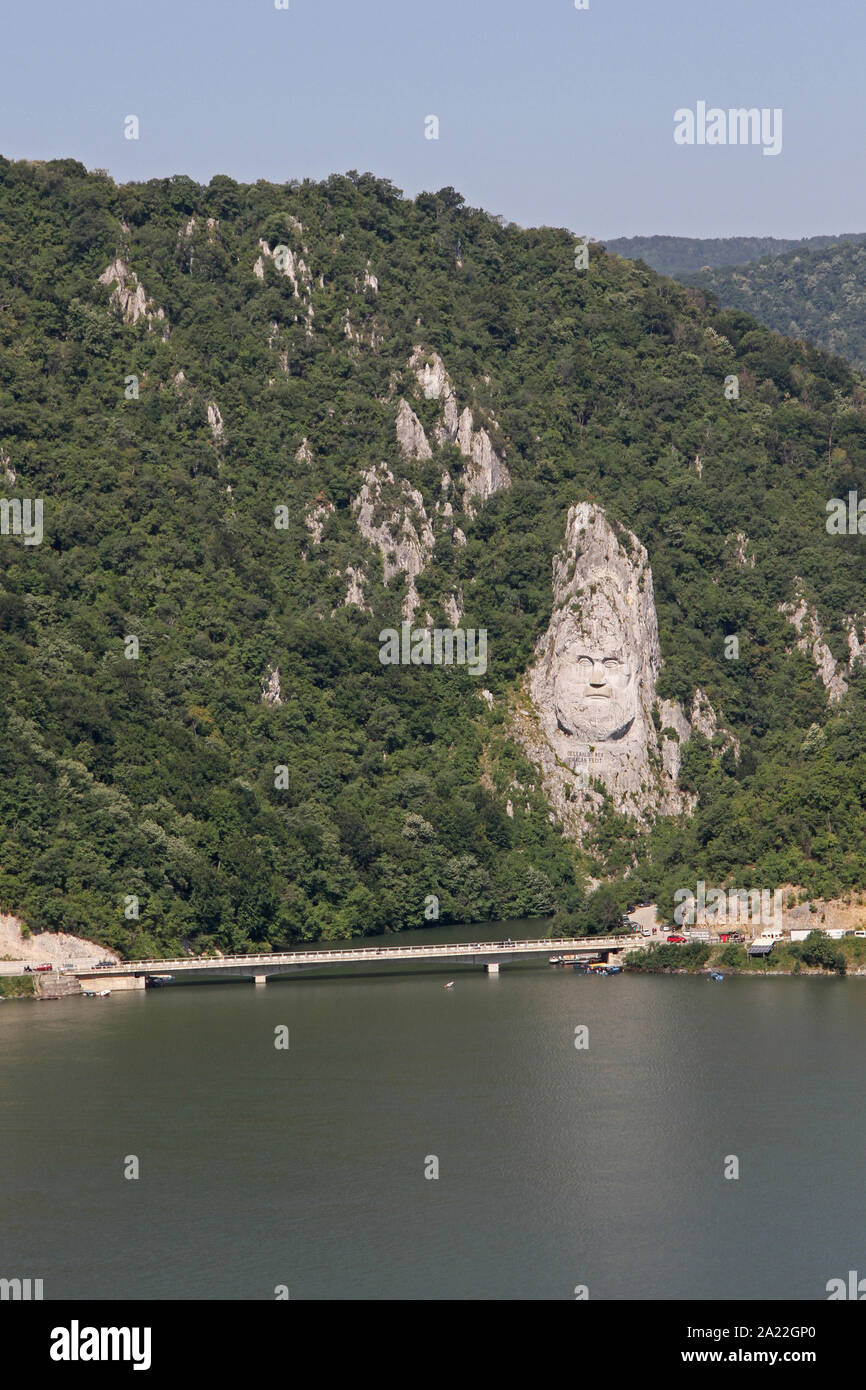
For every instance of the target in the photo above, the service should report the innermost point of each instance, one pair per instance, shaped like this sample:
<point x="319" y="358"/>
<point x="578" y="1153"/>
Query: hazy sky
<point x="547" y="114"/>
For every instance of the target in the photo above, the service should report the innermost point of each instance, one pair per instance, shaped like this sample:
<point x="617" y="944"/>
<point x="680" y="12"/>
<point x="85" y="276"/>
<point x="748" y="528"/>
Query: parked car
<point x="680" y="940"/>
<point x="103" y="965"/>
<point x="46" y="965"/>
<point x="860" y="933"/>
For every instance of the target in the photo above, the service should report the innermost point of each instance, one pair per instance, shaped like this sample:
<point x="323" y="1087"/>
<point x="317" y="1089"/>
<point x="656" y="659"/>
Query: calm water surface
<point x="557" y="1167"/>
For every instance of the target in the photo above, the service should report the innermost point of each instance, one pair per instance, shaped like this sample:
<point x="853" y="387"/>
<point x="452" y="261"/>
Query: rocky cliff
<point x="593" y="722"/>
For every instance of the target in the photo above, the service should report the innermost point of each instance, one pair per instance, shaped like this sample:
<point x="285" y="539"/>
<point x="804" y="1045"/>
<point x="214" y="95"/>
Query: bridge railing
<point x="558" y="944"/>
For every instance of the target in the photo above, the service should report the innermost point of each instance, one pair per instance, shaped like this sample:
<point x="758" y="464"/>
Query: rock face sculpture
<point x="592" y="686"/>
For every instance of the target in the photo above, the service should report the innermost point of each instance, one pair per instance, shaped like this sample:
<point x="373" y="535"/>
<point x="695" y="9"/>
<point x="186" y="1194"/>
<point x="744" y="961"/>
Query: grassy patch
<point x="16" y="986"/>
<point x="669" y="956"/>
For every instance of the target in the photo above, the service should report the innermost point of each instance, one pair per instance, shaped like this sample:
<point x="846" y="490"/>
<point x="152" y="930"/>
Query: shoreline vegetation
<point x="817" y="955"/>
<point x="17" y="987"/>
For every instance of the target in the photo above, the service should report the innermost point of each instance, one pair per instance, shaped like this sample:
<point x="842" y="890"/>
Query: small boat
<point x="555" y="960"/>
<point x="717" y="975"/>
<point x="450" y="985"/>
<point x="103" y="993"/>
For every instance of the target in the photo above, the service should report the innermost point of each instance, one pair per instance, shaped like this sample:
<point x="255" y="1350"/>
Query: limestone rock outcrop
<point x="271" y="694"/>
<point x="215" y="420"/>
<point x="437" y="385"/>
<point x="857" y="640"/>
<point x="588" y="721"/>
<point x="739" y="542"/>
<point x="410" y="434"/>
<point x="392" y="516"/>
<point x="129" y="296"/>
<point x="355" y="591"/>
<point x="485" y="472"/>
<point x="316" y="516"/>
<point x="292" y="265"/>
<point x="804" y="617"/>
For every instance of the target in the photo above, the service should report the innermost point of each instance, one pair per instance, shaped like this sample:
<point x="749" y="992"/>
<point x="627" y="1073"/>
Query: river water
<point x="557" y="1166"/>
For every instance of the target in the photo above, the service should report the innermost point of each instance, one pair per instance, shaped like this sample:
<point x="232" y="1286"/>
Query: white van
<point x="770" y="934"/>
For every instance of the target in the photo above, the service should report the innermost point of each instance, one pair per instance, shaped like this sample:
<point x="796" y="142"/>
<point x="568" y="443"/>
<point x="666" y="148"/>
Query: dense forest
<point x="818" y="295"/>
<point x="166" y="411"/>
<point x="684" y="255"/>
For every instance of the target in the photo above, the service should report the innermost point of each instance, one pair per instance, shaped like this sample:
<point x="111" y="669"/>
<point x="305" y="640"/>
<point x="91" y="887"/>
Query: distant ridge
<point x="682" y="255"/>
<point x="817" y="295"/>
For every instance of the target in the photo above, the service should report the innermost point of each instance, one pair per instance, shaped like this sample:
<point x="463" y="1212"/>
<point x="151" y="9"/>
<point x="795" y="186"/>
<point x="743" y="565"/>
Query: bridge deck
<point x="273" y="961"/>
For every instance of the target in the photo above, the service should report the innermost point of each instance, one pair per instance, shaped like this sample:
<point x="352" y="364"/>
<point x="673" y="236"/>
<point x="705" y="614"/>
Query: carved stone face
<point x="593" y="681"/>
<point x="595" y="693"/>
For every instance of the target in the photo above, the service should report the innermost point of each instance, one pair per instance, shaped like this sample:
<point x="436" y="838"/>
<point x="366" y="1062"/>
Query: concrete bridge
<point x="259" y="968"/>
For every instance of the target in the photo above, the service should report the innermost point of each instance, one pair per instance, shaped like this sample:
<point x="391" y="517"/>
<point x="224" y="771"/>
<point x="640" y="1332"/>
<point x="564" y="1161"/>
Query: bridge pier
<point x="260" y="979"/>
<point x="493" y="967"/>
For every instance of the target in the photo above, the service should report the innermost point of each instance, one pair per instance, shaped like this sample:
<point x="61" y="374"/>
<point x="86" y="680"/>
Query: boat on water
<point x="554" y="960"/>
<point x="450" y="984"/>
<point x="717" y="975"/>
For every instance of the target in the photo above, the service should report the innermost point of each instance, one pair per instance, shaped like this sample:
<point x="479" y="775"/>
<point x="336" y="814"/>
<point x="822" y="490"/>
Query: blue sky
<point x="547" y="114"/>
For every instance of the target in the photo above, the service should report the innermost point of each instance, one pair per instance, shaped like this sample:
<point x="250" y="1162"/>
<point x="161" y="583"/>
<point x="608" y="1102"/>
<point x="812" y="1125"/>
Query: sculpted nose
<point x="598" y="676"/>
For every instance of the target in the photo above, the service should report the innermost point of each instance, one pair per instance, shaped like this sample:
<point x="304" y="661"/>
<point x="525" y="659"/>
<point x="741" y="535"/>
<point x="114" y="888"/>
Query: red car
<point x="46" y="965"/>
<point x="678" y="939"/>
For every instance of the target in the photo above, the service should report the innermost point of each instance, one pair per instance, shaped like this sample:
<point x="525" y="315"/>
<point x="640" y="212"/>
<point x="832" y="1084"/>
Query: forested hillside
<point x="247" y="770"/>
<point x="683" y="255"/>
<point x="818" y="295"/>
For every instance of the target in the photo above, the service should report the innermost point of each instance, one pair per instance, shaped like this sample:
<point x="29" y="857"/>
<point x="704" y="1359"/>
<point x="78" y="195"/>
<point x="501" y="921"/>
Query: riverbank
<point x="17" y="987"/>
<point x="20" y="947"/>
<point x="817" y="955"/>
